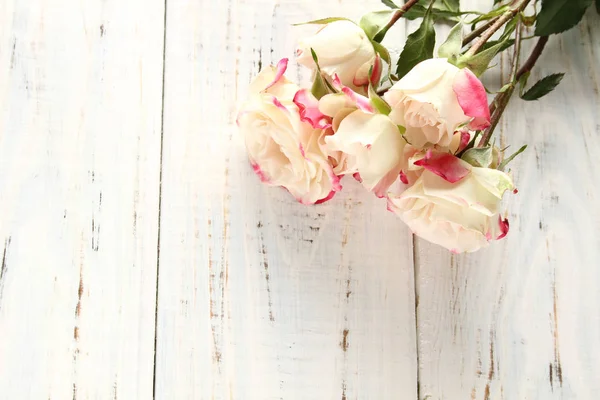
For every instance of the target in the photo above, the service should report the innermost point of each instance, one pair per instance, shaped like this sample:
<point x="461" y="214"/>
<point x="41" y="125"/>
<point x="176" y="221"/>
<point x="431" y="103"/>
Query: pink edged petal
<point x="403" y="178"/>
<point x="465" y="138"/>
<point x="376" y="74"/>
<point x="336" y="187"/>
<point x="362" y="102"/>
<point x="390" y="206"/>
<point x="302" y="150"/>
<point x="356" y="176"/>
<point x="260" y="173"/>
<point x="280" y="106"/>
<point x="384" y="183"/>
<point x="472" y="98"/>
<point x="503" y="223"/>
<point x="327" y="198"/>
<point x="337" y="82"/>
<point x="280" y="70"/>
<point x="444" y="165"/>
<point x="308" y="107"/>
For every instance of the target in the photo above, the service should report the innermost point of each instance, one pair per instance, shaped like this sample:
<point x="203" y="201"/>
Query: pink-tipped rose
<point x="435" y="99"/>
<point x="343" y="49"/>
<point x="452" y="203"/>
<point x="285" y="146"/>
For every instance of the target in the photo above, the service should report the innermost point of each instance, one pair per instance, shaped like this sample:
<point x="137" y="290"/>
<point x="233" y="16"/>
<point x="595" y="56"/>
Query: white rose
<point x="342" y="48"/>
<point x="434" y="99"/>
<point x="283" y="149"/>
<point x="463" y="215"/>
<point x="371" y="144"/>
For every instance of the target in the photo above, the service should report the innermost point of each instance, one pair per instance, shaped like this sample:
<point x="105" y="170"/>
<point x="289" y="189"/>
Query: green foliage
<point x="322" y="21"/>
<point x="390" y="4"/>
<point x="450" y="49"/>
<point x="479" y="156"/>
<point x="504" y="163"/>
<point x="374" y="24"/>
<point x="559" y="15"/>
<point x="419" y="45"/>
<point x="542" y="87"/>
<point x="478" y="63"/>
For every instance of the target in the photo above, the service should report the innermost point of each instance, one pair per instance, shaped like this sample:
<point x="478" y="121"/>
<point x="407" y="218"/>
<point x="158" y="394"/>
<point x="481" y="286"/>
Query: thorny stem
<point x="533" y="57"/>
<point x="527" y="66"/>
<point x="395" y="17"/>
<point x="478" y="31"/>
<point x="504" y="18"/>
<point x="501" y="101"/>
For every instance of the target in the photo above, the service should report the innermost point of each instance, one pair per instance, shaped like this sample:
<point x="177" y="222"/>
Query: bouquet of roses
<point x="420" y="137"/>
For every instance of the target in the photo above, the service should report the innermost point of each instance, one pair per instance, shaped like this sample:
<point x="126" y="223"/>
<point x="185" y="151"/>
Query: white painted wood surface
<point x="80" y="114"/>
<point x="258" y="296"/>
<point x="520" y="320"/>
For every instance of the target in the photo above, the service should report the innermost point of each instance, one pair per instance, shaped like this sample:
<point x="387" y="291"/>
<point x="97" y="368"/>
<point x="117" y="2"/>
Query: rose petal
<point x="280" y="106"/>
<point x="327" y="198"/>
<point x="356" y="176"/>
<point x="472" y="98"/>
<point x="308" y="108"/>
<point x="465" y="138"/>
<point x="376" y="73"/>
<point x="444" y="165"/>
<point x="260" y="173"/>
<point x="503" y="223"/>
<point x="362" y="102"/>
<point x="403" y="178"/>
<point x="280" y="70"/>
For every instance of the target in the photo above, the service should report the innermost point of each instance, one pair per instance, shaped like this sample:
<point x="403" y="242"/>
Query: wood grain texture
<point x="520" y="320"/>
<point x="259" y="296"/>
<point x="80" y="114"/>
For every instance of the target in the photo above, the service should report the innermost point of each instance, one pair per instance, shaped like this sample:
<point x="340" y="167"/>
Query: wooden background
<point x="141" y="258"/>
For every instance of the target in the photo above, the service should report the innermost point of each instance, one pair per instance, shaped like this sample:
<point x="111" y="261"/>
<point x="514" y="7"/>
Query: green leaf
<point x="451" y="47"/>
<point x="479" y="156"/>
<point x="418" y="11"/>
<point x="505" y="45"/>
<point x="419" y="46"/>
<point x="542" y="87"/>
<point x="523" y="82"/>
<point x="452" y="5"/>
<point x="320" y="86"/>
<point x="374" y="22"/>
<point x="382" y="51"/>
<point x="379" y="104"/>
<point x="322" y="21"/>
<point x="598" y="6"/>
<point x="494" y="13"/>
<point x="559" y="15"/>
<point x="391" y="4"/>
<point x="504" y="163"/>
<point x="479" y="62"/>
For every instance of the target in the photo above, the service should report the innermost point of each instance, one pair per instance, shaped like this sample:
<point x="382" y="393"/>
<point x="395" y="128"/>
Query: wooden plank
<point x="259" y="296"/>
<point x="519" y="320"/>
<point x="80" y="116"/>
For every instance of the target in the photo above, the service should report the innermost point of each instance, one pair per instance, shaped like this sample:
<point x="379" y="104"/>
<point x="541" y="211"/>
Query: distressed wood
<point x="261" y="297"/>
<point x="80" y="114"/>
<point x="520" y="320"/>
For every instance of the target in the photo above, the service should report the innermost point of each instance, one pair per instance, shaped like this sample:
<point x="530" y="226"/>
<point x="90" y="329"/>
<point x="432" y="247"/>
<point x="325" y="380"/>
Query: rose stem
<point x="501" y="100"/>
<point x="395" y="17"/>
<point x="478" y="31"/>
<point x="504" y="18"/>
